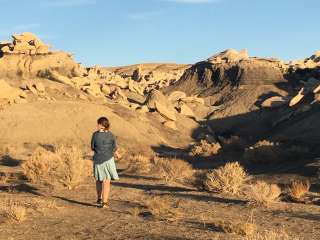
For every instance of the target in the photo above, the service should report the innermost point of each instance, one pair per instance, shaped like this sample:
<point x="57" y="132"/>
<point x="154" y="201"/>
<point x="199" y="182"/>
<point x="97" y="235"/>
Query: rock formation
<point x="25" y="43"/>
<point x="229" y="69"/>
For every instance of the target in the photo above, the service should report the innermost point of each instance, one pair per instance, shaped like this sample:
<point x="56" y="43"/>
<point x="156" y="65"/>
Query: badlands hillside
<point x="179" y="128"/>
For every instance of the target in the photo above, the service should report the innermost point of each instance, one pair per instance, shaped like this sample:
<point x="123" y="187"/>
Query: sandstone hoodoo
<point x="25" y="43"/>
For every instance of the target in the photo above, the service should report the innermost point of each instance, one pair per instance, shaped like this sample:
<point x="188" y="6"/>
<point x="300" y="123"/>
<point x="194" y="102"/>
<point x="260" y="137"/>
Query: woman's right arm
<point x="93" y="142"/>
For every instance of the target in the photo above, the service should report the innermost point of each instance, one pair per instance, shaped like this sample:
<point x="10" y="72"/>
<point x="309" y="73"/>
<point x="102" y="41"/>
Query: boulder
<point x="143" y="109"/>
<point x="8" y="92"/>
<point x="165" y="111"/>
<point x="31" y="88"/>
<point x="93" y="90"/>
<point x="317" y="89"/>
<point x="135" y="87"/>
<point x="170" y="124"/>
<point x="185" y="110"/>
<point x="193" y="100"/>
<point x="105" y="89"/>
<point x="119" y="95"/>
<point x="296" y="99"/>
<point x="229" y="55"/>
<point x="176" y="96"/>
<point x="81" y="81"/>
<point x="39" y="87"/>
<point x="276" y="101"/>
<point x="156" y="95"/>
<point x="137" y="74"/>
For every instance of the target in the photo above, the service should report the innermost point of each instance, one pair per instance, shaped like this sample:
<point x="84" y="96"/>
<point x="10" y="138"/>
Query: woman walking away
<point x="103" y="144"/>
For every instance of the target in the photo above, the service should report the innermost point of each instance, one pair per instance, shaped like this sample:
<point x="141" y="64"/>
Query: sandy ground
<point x="76" y="216"/>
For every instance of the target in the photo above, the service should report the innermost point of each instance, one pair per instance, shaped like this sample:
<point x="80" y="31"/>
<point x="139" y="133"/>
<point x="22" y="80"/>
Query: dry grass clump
<point x="13" y="210"/>
<point x="42" y="205"/>
<point x="239" y="228"/>
<point x="173" y="170"/>
<point x="264" y="193"/>
<point x="170" y="169"/>
<point x="206" y="149"/>
<point x="140" y="164"/>
<point x="65" y="166"/>
<point x="298" y="189"/>
<point x="162" y="207"/>
<point x="227" y="179"/>
<point x="272" y="235"/>
<point x="3" y="178"/>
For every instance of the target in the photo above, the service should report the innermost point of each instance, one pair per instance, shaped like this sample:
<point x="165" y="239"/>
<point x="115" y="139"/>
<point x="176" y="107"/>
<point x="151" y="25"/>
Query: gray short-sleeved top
<point x="103" y="143"/>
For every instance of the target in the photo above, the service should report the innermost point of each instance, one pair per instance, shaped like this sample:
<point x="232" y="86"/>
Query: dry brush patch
<point x="204" y="148"/>
<point x="298" y="189"/>
<point x="172" y="170"/>
<point x="272" y="235"/>
<point x="13" y="210"/>
<point x="227" y="179"/>
<point x="64" y="166"/>
<point x="239" y="228"/>
<point x="163" y="208"/>
<point x="263" y="193"/>
<point x="140" y="164"/>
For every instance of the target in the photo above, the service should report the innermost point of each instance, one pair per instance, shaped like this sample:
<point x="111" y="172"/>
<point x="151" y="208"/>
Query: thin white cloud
<point x="145" y="15"/>
<point x="68" y="3"/>
<point x="192" y="1"/>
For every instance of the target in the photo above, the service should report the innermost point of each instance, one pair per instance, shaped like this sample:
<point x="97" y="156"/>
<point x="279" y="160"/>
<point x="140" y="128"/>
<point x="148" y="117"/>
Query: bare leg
<point x="106" y="190"/>
<point x="99" y="189"/>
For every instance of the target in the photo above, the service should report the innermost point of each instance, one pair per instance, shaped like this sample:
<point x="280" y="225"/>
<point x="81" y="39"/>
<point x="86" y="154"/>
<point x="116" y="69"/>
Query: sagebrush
<point x="263" y="193"/>
<point x="227" y="179"/>
<point x="64" y="166"/>
<point x="173" y="170"/>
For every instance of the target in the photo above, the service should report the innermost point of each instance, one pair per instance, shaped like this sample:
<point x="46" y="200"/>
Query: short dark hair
<point x="103" y="121"/>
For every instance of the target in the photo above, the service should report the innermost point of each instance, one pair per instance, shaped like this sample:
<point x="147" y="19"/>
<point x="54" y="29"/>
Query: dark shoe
<point x="99" y="201"/>
<point x="104" y="205"/>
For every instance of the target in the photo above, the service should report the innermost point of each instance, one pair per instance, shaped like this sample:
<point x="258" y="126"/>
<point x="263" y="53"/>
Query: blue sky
<point x="121" y="32"/>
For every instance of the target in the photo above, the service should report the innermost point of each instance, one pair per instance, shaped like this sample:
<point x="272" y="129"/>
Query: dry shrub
<point x="65" y="166"/>
<point x="272" y="235"/>
<point x="203" y="148"/>
<point x="163" y="208"/>
<point x="227" y="179"/>
<point x="13" y="210"/>
<point x="264" y="193"/>
<point x="173" y="170"/>
<point x="4" y="149"/>
<point x="298" y="189"/>
<point x="244" y="229"/>
<point x="3" y="178"/>
<point x="140" y="164"/>
<point x="42" y="205"/>
<point x="263" y="152"/>
<point x="136" y="211"/>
